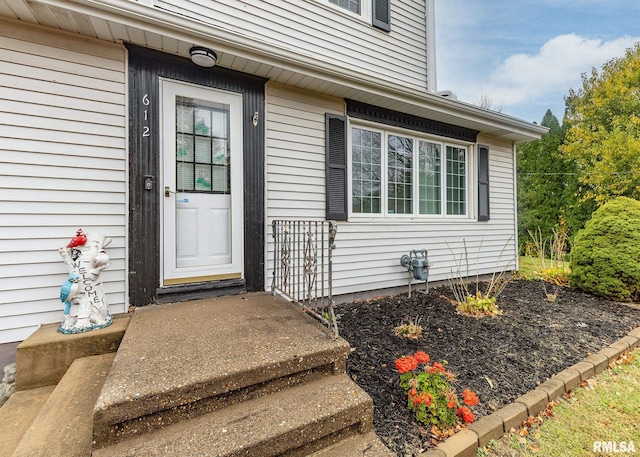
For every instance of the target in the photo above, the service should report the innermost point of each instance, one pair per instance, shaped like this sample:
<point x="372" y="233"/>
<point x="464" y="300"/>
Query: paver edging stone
<point x="459" y="447"/>
<point x="599" y="361"/>
<point x="586" y="370"/>
<point x="610" y="353"/>
<point x="512" y="415"/>
<point x="487" y="428"/>
<point x="570" y="377"/>
<point x="462" y="444"/>
<point x="631" y="340"/>
<point x="553" y="387"/>
<point x="535" y="401"/>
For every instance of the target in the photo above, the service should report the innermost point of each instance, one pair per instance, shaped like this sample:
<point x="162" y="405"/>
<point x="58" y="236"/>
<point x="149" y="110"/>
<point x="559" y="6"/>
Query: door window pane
<point x="202" y="146"/>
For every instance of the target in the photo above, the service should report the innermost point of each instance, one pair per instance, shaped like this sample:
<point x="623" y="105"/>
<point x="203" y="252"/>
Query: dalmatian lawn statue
<point x="86" y="306"/>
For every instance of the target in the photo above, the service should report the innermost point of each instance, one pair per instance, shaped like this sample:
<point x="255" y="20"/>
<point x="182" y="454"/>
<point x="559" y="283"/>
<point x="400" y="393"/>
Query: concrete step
<point x="64" y="424"/>
<point x="180" y="361"/>
<point x="44" y="357"/>
<point x="309" y="416"/>
<point x="17" y="414"/>
<point x="363" y="445"/>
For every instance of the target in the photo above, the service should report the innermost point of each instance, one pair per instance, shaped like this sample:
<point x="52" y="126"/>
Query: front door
<point x="202" y="209"/>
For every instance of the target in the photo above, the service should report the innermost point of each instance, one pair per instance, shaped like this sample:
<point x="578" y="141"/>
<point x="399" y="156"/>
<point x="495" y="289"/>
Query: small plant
<point x="410" y="330"/>
<point x="480" y="303"/>
<point x="551" y="296"/>
<point x="430" y="394"/>
<point x="555" y="275"/>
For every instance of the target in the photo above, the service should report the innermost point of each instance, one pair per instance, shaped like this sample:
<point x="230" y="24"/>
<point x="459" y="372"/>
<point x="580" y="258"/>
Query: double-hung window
<point x="376" y="11"/>
<point x="350" y="5"/>
<point x="394" y="174"/>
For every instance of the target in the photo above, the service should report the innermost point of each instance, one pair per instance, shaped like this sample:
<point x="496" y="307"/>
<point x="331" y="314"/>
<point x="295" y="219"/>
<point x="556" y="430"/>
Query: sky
<point x="524" y="56"/>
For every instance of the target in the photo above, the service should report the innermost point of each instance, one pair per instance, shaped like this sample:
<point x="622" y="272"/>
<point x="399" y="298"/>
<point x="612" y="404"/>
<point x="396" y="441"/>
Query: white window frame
<point x="471" y="175"/>
<point x="365" y="10"/>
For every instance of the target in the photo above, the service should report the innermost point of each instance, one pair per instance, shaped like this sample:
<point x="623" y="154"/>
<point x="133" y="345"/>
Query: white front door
<point x="202" y="184"/>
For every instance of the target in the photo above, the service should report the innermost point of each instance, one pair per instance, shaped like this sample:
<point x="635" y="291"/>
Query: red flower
<point x="426" y="398"/>
<point x="413" y="392"/>
<point x="422" y="357"/>
<point x="469" y="398"/>
<point x="406" y="364"/>
<point x="451" y="404"/>
<point x="437" y="368"/>
<point x="465" y="414"/>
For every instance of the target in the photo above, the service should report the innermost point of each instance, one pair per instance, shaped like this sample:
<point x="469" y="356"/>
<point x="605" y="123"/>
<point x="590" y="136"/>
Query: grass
<point x="603" y="409"/>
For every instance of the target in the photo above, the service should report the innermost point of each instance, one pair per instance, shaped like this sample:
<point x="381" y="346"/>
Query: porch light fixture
<point x="203" y="57"/>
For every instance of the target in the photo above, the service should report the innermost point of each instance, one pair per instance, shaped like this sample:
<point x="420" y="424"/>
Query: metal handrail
<point x="302" y="266"/>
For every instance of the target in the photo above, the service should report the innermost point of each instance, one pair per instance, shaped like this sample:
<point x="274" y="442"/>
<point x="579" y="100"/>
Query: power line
<point x="536" y="173"/>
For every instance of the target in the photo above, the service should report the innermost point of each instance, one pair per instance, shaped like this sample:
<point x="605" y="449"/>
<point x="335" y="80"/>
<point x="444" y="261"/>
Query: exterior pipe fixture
<point x="417" y="264"/>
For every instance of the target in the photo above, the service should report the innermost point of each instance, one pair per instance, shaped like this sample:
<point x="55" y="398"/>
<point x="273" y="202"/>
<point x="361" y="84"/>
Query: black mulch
<point x="500" y="358"/>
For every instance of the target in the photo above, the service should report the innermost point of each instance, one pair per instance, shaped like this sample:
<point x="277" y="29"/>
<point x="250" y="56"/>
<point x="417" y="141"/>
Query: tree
<point x="486" y="102"/>
<point x="604" y="129"/>
<point x="544" y="175"/>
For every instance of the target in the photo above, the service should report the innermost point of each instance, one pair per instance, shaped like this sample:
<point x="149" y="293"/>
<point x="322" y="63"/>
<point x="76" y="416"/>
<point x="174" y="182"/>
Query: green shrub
<point x="605" y="259"/>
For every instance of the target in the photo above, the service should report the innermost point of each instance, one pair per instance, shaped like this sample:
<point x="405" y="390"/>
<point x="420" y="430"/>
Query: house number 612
<point x="145" y="128"/>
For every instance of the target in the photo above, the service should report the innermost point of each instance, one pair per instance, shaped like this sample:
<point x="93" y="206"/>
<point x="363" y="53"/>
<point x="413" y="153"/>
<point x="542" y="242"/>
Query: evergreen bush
<point x="605" y="259"/>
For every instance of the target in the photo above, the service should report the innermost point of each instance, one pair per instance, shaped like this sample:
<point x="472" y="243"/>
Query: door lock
<point x="167" y="191"/>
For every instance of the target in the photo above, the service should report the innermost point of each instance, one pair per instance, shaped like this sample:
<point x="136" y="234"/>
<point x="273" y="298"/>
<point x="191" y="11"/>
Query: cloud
<point x="554" y="69"/>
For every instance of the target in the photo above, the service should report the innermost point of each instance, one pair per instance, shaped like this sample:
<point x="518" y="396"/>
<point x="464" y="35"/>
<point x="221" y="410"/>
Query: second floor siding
<point x="322" y="31"/>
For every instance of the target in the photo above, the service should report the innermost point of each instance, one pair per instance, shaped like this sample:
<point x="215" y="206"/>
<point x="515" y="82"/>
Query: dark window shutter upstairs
<point x="483" y="183"/>
<point x="336" y="166"/>
<point x="381" y="17"/>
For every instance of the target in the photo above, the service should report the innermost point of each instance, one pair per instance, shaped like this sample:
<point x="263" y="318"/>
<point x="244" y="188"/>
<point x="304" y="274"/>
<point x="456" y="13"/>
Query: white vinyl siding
<point x="62" y="166"/>
<point x="317" y="30"/>
<point x="367" y="254"/>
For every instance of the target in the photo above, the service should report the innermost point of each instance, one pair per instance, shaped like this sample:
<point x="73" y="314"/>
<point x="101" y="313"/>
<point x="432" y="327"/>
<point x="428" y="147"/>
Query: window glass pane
<point x="351" y="5"/>
<point x="203" y="150"/>
<point x="203" y="177"/>
<point x="456" y="180"/>
<point x="184" y="119"/>
<point x="185" y="181"/>
<point x="184" y="147"/>
<point x="366" y="172"/>
<point x="429" y="171"/>
<point x="400" y="174"/>
<point x="203" y="122"/>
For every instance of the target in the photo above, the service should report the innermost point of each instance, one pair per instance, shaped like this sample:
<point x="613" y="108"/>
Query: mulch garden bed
<point x="499" y="358"/>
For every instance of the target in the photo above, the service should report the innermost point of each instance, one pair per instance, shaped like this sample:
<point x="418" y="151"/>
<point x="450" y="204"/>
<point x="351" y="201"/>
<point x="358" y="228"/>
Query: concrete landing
<point x="209" y="353"/>
<point x="44" y="357"/>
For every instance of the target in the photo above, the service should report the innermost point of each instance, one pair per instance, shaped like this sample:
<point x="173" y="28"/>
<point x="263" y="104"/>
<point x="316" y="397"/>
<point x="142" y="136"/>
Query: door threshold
<point x="198" y="290"/>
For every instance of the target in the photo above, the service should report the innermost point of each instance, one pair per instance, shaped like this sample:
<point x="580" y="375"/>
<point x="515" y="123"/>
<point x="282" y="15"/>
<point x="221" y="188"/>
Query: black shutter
<point x="483" y="183"/>
<point x="381" y="17"/>
<point x="336" y="166"/>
